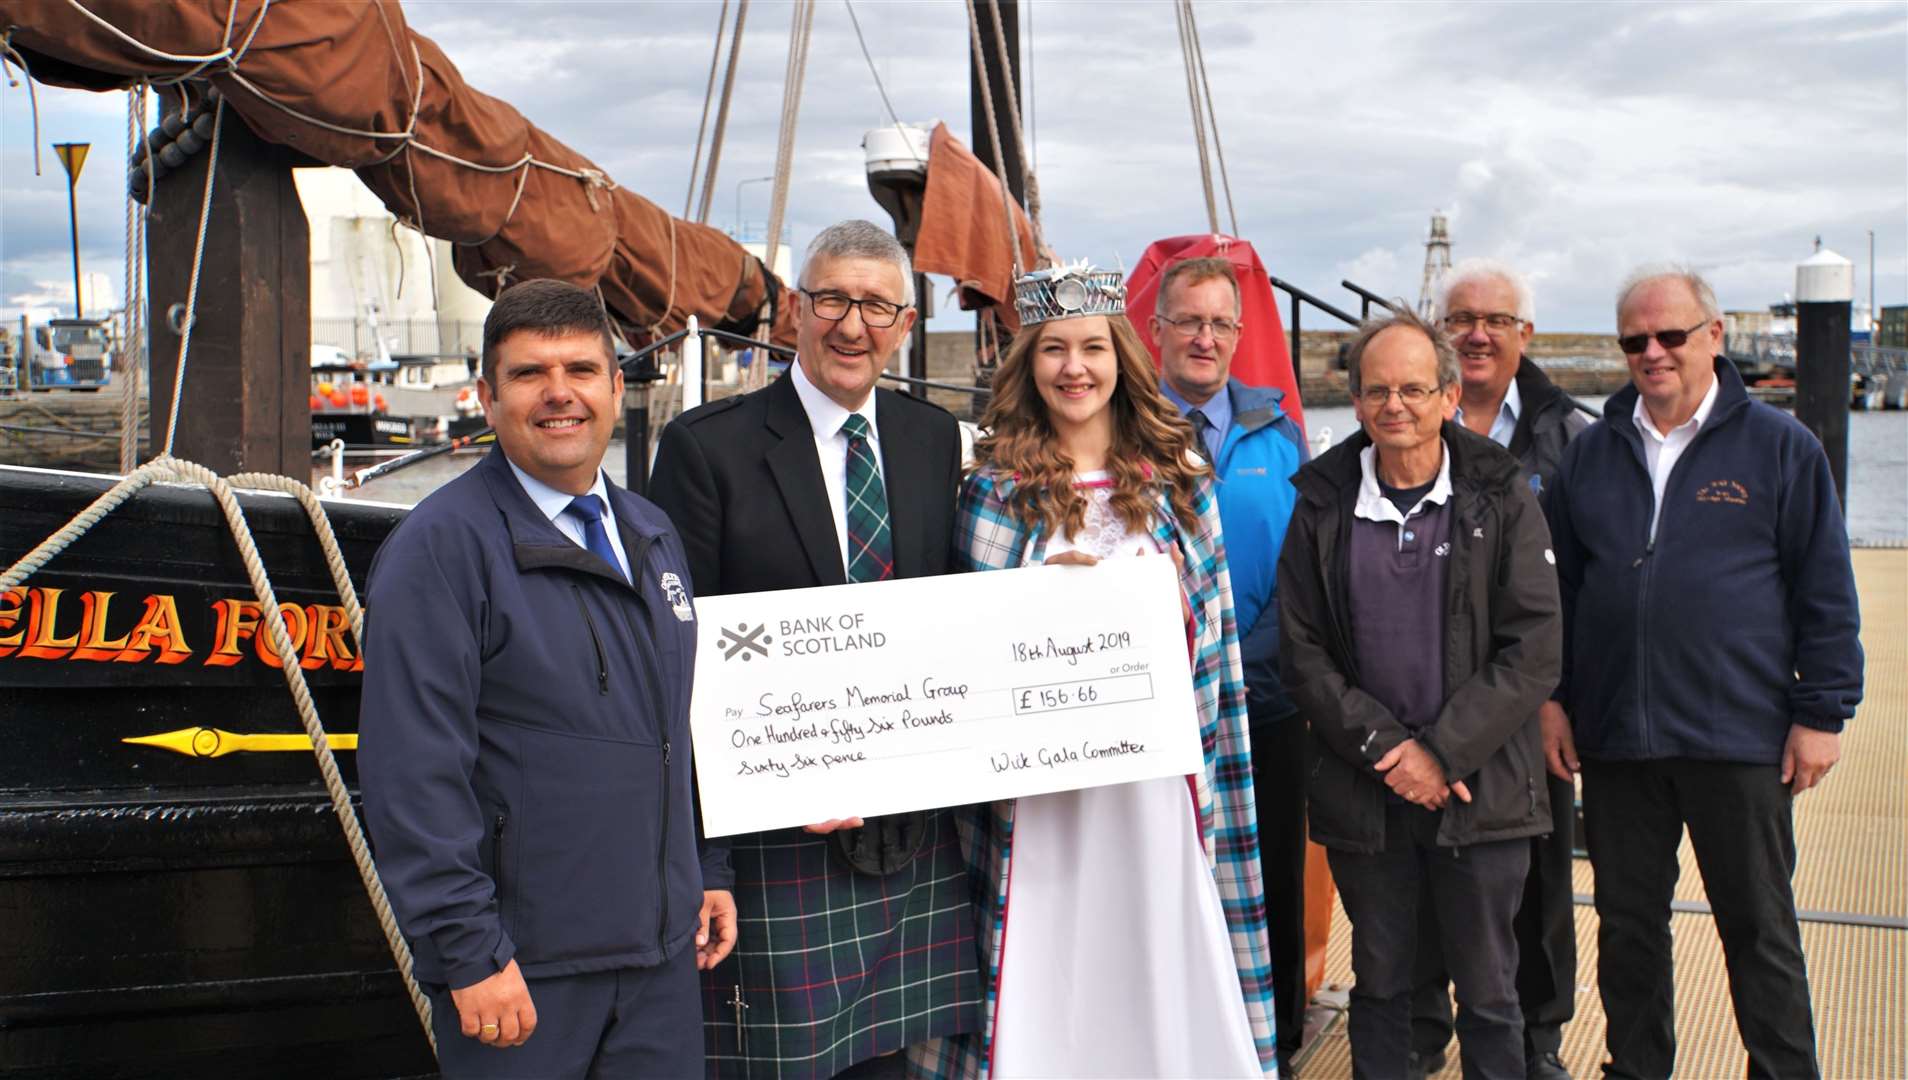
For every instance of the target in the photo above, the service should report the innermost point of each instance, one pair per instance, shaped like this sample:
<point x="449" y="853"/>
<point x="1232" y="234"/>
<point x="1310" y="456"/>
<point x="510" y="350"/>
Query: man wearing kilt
<point x="857" y="938"/>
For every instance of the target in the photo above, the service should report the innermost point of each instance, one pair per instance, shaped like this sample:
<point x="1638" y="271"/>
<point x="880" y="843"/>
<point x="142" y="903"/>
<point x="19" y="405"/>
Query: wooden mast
<point x="246" y="405"/>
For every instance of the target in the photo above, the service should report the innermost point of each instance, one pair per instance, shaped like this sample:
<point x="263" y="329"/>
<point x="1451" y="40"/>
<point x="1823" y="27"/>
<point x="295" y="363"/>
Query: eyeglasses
<point x="1669" y="339"/>
<point x="1191" y="326"/>
<point x="1375" y="397"/>
<point x="1461" y="322"/>
<point x="879" y="314"/>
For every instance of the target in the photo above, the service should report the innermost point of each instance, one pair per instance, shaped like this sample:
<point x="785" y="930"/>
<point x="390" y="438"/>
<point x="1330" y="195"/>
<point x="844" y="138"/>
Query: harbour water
<point x="1877" y="471"/>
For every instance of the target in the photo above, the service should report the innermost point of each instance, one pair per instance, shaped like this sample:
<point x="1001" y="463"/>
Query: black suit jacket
<point x="741" y="480"/>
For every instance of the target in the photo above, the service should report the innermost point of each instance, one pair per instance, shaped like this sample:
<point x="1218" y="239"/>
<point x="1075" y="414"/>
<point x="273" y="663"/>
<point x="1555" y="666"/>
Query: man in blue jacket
<point x="525" y="746"/>
<point x="1254" y="448"/>
<point x="1711" y="660"/>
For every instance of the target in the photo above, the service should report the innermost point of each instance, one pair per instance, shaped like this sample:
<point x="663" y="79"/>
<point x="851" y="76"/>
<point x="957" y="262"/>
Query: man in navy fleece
<point x="525" y="752"/>
<point x="1711" y="658"/>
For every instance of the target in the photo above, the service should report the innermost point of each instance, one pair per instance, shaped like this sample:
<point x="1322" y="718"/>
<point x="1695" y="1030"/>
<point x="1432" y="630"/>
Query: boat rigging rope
<point x="11" y="56"/>
<point x="133" y="322"/>
<point x="993" y="128"/>
<point x="801" y="26"/>
<point x="879" y="88"/>
<point x="192" y="288"/>
<point x="1030" y="183"/>
<point x="1198" y="117"/>
<point x="708" y="95"/>
<point x="166" y="468"/>
<point x="722" y="114"/>
<point x="1212" y="116"/>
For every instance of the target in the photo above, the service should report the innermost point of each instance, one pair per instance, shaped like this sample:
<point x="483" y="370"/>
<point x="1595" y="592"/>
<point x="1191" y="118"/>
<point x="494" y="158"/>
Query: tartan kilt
<point x="837" y="966"/>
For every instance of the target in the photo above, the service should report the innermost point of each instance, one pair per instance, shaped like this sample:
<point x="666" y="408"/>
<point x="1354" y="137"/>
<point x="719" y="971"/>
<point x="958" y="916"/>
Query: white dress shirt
<point x="1661" y="451"/>
<point x="831" y="446"/>
<point x="554" y="503"/>
<point x="1505" y="423"/>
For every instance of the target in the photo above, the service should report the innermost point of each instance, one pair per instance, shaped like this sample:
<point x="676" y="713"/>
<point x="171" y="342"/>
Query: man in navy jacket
<point x="525" y="747"/>
<point x="1711" y="659"/>
<point x="1254" y="448"/>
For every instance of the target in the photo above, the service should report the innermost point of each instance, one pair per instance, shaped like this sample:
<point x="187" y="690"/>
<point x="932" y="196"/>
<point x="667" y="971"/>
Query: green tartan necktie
<point x="870" y="548"/>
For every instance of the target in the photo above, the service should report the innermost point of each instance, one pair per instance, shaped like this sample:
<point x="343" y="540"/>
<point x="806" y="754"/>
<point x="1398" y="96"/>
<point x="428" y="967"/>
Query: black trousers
<point x="1739" y="824"/>
<point x="1476" y="891"/>
<point x="596" y="1026"/>
<point x="1546" y="930"/>
<point x="1279" y="750"/>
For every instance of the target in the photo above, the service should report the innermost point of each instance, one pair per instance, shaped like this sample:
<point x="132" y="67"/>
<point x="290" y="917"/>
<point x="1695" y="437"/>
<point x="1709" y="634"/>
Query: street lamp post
<point x="73" y="156"/>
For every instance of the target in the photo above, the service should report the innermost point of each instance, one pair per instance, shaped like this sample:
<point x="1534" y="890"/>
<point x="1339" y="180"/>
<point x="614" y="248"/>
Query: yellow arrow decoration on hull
<point x="207" y="742"/>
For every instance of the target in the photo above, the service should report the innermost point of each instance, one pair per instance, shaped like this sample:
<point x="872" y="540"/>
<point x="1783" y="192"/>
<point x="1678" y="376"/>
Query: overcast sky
<point x="1573" y="140"/>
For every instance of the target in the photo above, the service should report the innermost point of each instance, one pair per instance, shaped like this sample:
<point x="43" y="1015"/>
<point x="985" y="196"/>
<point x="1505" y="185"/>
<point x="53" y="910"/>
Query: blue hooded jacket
<point x="1737" y="621"/>
<point x="1263" y="448"/>
<point x="524" y="750"/>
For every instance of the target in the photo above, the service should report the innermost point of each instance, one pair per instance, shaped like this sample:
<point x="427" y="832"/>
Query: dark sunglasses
<point x="1669" y="339"/>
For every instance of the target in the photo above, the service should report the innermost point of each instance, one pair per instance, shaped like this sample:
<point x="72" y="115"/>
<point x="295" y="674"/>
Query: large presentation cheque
<point x="856" y="700"/>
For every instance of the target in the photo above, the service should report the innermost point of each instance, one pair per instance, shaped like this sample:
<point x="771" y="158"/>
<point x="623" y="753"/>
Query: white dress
<point x="1116" y="960"/>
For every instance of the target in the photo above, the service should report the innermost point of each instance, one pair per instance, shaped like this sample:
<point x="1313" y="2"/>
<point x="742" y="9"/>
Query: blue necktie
<point x="589" y="510"/>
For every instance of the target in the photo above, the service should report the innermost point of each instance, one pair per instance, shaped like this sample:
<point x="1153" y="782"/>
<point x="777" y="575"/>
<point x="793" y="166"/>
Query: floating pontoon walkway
<point x="1851" y="884"/>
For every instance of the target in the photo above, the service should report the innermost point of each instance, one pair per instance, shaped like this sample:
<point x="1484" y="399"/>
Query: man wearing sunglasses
<point x="1254" y="449"/>
<point x="1711" y="659"/>
<point x="856" y="939"/>
<point x="1486" y="310"/>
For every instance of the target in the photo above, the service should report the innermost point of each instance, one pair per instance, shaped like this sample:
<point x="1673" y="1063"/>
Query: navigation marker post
<point x="1824" y="291"/>
<point x="73" y="157"/>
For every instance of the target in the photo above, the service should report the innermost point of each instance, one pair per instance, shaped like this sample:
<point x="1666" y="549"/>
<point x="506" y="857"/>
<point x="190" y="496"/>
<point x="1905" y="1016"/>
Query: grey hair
<point x="1470" y="271"/>
<point x="857" y="239"/>
<point x="1643" y="275"/>
<point x="1401" y="316"/>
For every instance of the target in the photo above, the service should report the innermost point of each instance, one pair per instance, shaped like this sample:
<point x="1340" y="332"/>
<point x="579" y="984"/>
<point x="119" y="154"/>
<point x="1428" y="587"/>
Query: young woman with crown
<point x="1132" y="941"/>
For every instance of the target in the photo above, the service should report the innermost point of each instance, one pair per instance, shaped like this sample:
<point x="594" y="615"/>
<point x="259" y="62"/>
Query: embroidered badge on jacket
<point x="677" y="596"/>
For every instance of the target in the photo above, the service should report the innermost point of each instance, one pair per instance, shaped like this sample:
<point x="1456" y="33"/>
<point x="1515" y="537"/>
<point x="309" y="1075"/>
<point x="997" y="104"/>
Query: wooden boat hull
<point x="180" y="913"/>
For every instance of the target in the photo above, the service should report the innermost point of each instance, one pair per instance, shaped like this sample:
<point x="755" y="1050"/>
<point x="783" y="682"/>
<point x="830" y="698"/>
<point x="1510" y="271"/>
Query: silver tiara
<point x="1065" y="292"/>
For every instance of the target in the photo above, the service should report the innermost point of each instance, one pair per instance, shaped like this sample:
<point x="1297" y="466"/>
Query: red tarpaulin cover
<point x="1262" y="358"/>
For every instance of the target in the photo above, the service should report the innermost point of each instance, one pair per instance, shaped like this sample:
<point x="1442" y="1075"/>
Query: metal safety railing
<point x="1300" y="297"/>
<point x="641" y="370"/>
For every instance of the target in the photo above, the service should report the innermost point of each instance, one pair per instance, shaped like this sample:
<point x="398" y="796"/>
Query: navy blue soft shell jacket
<point x="524" y="751"/>
<point x="1737" y="622"/>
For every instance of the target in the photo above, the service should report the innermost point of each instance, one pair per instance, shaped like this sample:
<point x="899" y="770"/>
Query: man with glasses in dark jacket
<point x="1712" y="657"/>
<point x="858" y="938"/>
<point x="1419" y="609"/>
<point x="1486" y="310"/>
<point x="1254" y="448"/>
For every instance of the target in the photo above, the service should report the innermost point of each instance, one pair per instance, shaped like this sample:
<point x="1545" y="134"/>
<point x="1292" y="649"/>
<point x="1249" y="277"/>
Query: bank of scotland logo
<point x="744" y="642"/>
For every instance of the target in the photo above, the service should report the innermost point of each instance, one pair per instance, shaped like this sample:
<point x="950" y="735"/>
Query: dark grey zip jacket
<point x="1502" y="649"/>
<point x="1548" y="421"/>
<point x="524" y="750"/>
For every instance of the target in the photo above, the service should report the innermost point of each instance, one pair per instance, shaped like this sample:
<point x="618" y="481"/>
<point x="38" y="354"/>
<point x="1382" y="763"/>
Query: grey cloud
<point x="1597" y="135"/>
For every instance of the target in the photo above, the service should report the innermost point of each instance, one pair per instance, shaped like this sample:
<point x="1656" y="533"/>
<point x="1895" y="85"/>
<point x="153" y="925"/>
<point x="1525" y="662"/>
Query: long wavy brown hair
<point x="1152" y="444"/>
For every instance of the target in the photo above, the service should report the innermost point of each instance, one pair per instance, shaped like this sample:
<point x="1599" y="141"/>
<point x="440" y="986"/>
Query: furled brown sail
<point x="351" y="84"/>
